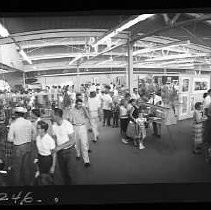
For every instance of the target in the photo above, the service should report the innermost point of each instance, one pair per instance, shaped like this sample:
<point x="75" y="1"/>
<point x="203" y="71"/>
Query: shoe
<point x="94" y="141"/>
<point x="124" y="141"/>
<point x="87" y="165"/>
<point x="158" y="135"/>
<point x="141" y="146"/>
<point x="89" y="150"/>
<point x="78" y="158"/>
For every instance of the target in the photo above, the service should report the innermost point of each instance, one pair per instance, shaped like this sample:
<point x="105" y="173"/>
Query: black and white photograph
<point x="83" y="100"/>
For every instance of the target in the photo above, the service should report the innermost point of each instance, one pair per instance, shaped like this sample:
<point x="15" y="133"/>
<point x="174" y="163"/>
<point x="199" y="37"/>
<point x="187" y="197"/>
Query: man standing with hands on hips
<point x="62" y="132"/>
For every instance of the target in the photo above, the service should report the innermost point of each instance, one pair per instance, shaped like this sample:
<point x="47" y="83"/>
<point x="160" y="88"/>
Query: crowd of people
<point x="46" y="142"/>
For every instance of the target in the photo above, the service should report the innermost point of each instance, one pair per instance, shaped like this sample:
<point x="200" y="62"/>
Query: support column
<point x="24" y="80"/>
<point x="78" y="79"/>
<point x="130" y="67"/>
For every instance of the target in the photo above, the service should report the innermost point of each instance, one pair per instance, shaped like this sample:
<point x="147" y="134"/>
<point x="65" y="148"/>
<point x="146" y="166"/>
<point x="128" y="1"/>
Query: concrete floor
<point x="163" y="160"/>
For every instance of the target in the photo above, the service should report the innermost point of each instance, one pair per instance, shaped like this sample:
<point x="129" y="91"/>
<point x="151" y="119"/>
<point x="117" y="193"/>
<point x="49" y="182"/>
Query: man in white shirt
<point x="135" y="94"/>
<point x="156" y="100"/>
<point x="62" y="131"/>
<point x="207" y="101"/>
<point x="94" y="109"/>
<point x="106" y="106"/>
<point x="21" y="133"/>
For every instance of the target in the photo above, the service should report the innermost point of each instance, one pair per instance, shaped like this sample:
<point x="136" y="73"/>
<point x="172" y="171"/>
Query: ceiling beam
<point x="172" y="44"/>
<point x="169" y="27"/>
<point x="46" y="34"/>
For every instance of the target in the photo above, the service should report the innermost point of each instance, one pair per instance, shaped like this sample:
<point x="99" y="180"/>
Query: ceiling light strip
<point x="125" y="25"/>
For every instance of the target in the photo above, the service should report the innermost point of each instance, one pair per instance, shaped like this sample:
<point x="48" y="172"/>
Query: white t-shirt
<point x="62" y="131"/>
<point x="45" y="144"/>
<point x="93" y="106"/>
<point x="115" y="92"/>
<point x="156" y="100"/>
<point x="107" y="100"/>
<point x="123" y="112"/>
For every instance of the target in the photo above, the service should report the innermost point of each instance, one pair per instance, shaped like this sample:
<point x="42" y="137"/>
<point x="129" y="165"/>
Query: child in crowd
<point x="198" y="127"/>
<point x="115" y="114"/>
<point x="141" y="130"/>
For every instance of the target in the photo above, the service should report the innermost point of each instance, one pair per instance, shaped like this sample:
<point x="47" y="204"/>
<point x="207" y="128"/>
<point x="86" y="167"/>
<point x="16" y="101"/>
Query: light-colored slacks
<point x="82" y="144"/>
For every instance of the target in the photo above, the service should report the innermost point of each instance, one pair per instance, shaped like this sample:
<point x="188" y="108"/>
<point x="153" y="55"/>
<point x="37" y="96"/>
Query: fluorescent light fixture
<point x="3" y="31"/>
<point x="75" y="59"/>
<point x="122" y="27"/>
<point x="82" y="55"/>
<point x="25" y="57"/>
<point x="185" y="55"/>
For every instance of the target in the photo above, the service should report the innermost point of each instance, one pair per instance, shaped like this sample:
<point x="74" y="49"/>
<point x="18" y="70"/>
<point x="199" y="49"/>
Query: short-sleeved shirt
<point x="107" y="100"/>
<point x="93" y="106"/>
<point x="123" y="112"/>
<point x="78" y="116"/>
<point x="45" y="145"/>
<point x="62" y="131"/>
<point x="21" y="131"/>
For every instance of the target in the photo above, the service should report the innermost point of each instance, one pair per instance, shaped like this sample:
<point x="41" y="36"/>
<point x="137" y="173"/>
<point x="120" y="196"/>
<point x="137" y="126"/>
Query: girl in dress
<point x="140" y="130"/>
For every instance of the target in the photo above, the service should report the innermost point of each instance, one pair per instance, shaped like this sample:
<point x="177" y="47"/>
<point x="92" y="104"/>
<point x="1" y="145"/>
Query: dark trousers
<point x="22" y="165"/>
<point x="64" y="161"/>
<point x="45" y="163"/>
<point x="155" y="128"/>
<point x="115" y="119"/>
<point x="107" y="114"/>
<point x="123" y="124"/>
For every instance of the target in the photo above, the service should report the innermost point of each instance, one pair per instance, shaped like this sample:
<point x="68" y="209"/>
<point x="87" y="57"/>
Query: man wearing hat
<point x="21" y="133"/>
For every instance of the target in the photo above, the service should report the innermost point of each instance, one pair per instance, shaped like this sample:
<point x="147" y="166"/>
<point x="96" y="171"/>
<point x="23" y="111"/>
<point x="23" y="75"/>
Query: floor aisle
<point x="161" y="161"/>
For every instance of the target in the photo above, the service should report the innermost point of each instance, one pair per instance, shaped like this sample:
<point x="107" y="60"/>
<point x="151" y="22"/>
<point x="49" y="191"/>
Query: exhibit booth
<point x="189" y="89"/>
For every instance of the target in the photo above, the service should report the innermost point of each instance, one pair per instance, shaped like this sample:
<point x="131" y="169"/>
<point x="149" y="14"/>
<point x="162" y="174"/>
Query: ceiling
<point x="60" y="44"/>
